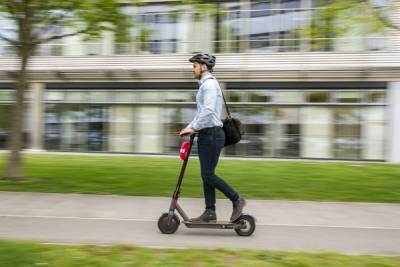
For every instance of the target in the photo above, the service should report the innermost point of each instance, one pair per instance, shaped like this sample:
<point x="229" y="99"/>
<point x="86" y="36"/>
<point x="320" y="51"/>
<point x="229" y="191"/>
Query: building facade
<point x="339" y="99"/>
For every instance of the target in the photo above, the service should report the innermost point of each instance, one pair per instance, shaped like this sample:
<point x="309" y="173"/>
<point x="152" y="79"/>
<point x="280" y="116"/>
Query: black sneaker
<point x="238" y="206"/>
<point x="207" y="217"/>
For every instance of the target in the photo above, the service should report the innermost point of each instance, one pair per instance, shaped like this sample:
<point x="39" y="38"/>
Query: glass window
<point x="99" y="96"/>
<point x="7" y="95"/>
<point x="151" y="97"/>
<point x="261" y="9"/>
<point x="74" y="127"/>
<point x="259" y="96"/>
<point x="77" y="96"/>
<point x="54" y="96"/>
<point x="348" y="96"/>
<point x="318" y="96"/>
<point x="97" y="128"/>
<point x="156" y="29"/>
<point x="179" y="96"/>
<point x="288" y="41"/>
<point x="261" y="40"/>
<point x="257" y="124"/>
<point x="288" y="132"/>
<point x="5" y="124"/>
<point x="376" y="97"/>
<point x="289" y="4"/>
<point x="233" y="96"/>
<point x="52" y="129"/>
<point x="124" y="97"/>
<point x="169" y="18"/>
<point x="173" y="119"/>
<point x="342" y="131"/>
<point x="347" y="133"/>
<point x="163" y="46"/>
<point x="288" y="97"/>
<point x="234" y="12"/>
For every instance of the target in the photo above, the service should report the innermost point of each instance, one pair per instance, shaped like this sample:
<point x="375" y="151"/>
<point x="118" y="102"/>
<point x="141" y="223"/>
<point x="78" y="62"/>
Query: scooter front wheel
<point x="168" y="224"/>
<point x="247" y="225"/>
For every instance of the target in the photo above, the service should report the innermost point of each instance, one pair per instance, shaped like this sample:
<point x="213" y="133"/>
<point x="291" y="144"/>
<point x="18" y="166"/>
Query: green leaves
<point x="88" y="17"/>
<point x="45" y="20"/>
<point x="339" y="18"/>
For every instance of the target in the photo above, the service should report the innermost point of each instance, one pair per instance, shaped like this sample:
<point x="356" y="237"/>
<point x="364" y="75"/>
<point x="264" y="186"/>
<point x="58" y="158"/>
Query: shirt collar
<point x="202" y="80"/>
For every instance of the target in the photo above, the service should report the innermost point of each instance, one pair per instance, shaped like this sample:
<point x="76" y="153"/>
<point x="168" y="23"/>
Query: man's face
<point x="198" y="70"/>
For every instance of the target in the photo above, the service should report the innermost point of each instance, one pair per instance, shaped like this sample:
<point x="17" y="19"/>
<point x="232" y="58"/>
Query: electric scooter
<point x="169" y="222"/>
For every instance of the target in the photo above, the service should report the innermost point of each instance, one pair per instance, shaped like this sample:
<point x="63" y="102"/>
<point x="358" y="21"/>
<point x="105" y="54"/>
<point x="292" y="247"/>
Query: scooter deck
<point x="212" y="225"/>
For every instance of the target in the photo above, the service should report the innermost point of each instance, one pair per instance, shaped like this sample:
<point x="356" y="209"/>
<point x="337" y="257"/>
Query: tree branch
<point x="11" y="41"/>
<point x="48" y="24"/>
<point x="385" y="20"/>
<point x="49" y="21"/>
<point x="55" y="37"/>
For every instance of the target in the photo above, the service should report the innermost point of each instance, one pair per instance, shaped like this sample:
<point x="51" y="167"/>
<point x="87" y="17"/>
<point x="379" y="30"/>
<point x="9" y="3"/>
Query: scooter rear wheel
<point x="248" y="225"/>
<point x="167" y="224"/>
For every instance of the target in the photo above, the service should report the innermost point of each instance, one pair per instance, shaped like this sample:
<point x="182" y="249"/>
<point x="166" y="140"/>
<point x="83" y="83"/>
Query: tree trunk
<point x="24" y="48"/>
<point x="14" y="165"/>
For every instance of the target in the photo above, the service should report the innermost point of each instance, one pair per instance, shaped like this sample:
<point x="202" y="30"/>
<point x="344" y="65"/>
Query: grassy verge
<point x="294" y="180"/>
<point x="34" y="254"/>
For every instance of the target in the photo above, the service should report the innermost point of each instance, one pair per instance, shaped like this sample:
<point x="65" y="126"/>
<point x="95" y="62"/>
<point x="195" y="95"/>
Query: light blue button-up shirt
<point x="209" y="104"/>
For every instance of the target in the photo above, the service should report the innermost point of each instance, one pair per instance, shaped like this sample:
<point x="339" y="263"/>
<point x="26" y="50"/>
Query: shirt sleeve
<point x="208" y="108"/>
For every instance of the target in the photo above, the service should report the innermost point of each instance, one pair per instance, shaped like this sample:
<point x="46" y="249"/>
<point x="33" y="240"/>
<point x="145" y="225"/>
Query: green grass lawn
<point x="142" y="176"/>
<point x="18" y="254"/>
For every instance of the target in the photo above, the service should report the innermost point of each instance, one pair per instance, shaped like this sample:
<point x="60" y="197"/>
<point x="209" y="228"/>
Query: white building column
<point x="395" y="33"/>
<point x="148" y="130"/>
<point x="393" y="120"/>
<point x="245" y="7"/>
<point x="184" y="34"/>
<point x="317" y="129"/>
<point x="36" y="109"/>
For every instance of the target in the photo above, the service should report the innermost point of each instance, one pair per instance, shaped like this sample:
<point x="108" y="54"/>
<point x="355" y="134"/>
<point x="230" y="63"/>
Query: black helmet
<point x="207" y="59"/>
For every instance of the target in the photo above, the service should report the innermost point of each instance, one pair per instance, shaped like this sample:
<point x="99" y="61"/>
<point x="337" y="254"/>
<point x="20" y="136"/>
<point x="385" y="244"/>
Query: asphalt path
<point x="350" y="228"/>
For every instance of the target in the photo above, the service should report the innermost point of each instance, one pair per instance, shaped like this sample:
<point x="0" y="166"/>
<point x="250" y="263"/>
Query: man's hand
<point x="187" y="131"/>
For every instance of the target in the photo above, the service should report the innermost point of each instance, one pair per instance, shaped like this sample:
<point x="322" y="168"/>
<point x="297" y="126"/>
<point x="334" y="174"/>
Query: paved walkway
<point x="352" y="228"/>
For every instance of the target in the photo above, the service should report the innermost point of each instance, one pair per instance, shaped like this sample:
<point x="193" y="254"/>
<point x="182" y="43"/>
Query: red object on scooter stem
<point x="184" y="152"/>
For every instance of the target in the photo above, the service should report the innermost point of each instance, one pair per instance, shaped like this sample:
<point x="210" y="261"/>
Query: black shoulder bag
<point x="232" y="127"/>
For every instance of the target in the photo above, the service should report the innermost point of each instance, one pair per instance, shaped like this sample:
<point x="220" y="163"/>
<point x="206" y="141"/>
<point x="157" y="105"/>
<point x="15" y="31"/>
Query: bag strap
<point x="226" y="105"/>
<point x="223" y="96"/>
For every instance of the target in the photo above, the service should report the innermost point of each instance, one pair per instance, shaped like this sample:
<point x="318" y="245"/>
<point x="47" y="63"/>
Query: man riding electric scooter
<point x="211" y="138"/>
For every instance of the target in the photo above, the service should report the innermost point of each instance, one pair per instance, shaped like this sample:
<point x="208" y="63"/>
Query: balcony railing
<point x="239" y="31"/>
<point x="230" y="46"/>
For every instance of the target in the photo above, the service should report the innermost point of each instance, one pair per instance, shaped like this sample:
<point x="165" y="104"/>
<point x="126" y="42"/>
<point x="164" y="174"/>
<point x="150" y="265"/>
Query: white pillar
<point x="395" y="33"/>
<point x="148" y="130"/>
<point x="245" y="25"/>
<point x="107" y="43"/>
<point x="372" y="130"/>
<point x="393" y="120"/>
<point x="36" y="108"/>
<point x="184" y="34"/>
<point x="121" y="136"/>
<point x="317" y="125"/>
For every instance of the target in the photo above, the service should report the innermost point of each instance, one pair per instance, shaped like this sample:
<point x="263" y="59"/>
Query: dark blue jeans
<point x="210" y="143"/>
